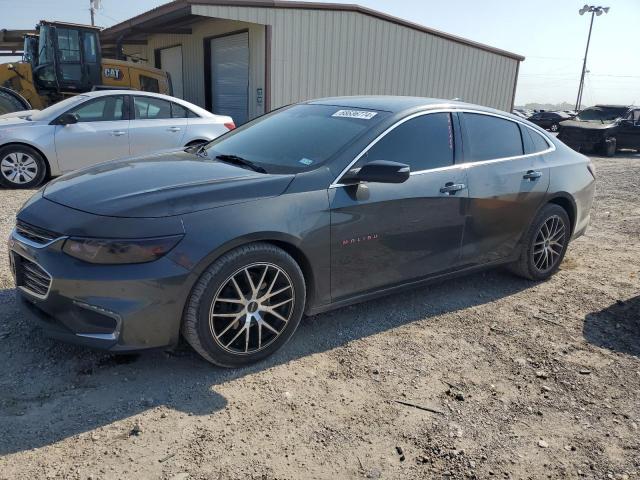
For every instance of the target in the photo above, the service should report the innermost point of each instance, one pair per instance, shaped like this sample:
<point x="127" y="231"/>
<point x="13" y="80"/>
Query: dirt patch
<point x="483" y="376"/>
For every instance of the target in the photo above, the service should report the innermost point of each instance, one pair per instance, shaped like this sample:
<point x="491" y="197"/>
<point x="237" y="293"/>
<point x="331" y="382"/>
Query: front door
<point x="628" y="134"/>
<point x="387" y="234"/>
<point x="101" y="134"/>
<point x="230" y="76"/>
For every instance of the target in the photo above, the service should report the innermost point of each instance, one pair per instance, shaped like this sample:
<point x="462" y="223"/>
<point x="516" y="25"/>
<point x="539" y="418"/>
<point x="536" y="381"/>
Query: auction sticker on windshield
<point x="360" y="114"/>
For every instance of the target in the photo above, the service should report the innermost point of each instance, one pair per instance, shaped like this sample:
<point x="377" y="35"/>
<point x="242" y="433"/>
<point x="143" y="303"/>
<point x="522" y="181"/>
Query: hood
<point x="588" y="125"/>
<point x="14" y="122"/>
<point x="166" y="184"/>
<point x="20" y="114"/>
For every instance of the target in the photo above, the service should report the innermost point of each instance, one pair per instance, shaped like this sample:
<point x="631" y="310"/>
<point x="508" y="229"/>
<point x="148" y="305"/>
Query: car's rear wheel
<point x="245" y="306"/>
<point x="21" y="167"/>
<point x="544" y="244"/>
<point x="554" y="127"/>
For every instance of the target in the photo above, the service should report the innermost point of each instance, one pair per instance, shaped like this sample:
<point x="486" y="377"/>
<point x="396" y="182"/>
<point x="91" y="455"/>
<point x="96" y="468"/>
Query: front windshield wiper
<point x="243" y="162"/>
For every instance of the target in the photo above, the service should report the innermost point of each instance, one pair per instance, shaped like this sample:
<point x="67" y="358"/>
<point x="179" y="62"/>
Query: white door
<point x="101" y="134"/>
<point x="171" y="61"/>
<point x="153" y="126"/>
<point x="230" y="76"/>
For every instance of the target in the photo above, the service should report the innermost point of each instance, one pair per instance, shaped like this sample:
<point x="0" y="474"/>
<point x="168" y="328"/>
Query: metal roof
<point x="175" y="16"/>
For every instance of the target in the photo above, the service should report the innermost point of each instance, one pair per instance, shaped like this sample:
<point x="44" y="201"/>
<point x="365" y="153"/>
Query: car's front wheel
<point x="245" y="306"/>
<point x="544" y="245"/>
<point x="555" y="127"/>
<point x="21" y="167"/>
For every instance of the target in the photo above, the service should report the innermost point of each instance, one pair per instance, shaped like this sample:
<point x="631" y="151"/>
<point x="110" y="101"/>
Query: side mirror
<point x="67" y="119"/>
<point x="379" y="171"/>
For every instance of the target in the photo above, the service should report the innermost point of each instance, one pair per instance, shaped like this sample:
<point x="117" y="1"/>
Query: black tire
<point x="21" y="167"/>
<point x="555" y="127"/>
<point x="527" y="265"/>
<point x="198" y="326"/>
<point x="610" y="146"/>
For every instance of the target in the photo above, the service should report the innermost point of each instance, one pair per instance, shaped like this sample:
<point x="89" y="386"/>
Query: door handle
<point x="532" y="175"/>
<point x="118" y="133"/>
<point x="451" y="188"/>
<point x="174" y="129"/>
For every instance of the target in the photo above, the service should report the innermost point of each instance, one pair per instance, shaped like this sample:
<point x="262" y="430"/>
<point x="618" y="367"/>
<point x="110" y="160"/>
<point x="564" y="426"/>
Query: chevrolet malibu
<point x="95" y="127"/>
<point x="311" y="207"/>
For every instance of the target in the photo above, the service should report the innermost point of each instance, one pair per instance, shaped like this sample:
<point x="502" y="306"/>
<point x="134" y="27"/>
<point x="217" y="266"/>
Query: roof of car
<point x="398" y="104"/>
<point x="614" y="106"/>
<point x="101" y="93"/>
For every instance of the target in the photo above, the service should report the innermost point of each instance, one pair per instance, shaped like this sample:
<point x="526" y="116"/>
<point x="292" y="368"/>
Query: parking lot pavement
<point x="485" y="375"/>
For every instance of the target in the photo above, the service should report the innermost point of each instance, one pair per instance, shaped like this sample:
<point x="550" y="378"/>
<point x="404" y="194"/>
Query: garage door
<point x="171" y="61"/>
<point x="230" y="76"/>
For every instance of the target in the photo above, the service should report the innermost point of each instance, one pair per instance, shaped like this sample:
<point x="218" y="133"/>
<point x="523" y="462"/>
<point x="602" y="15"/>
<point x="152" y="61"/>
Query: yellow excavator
<point x="64" y="59"/>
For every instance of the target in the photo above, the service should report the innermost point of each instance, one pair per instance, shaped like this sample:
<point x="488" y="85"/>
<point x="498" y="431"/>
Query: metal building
<point x="247" y="57"/>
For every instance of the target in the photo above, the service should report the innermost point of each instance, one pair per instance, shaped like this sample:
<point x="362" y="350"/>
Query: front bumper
<point x="112" y="307"/>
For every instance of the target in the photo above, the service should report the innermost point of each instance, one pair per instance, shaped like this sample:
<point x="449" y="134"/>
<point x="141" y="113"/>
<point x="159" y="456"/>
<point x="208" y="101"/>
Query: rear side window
<point x="149" y="108"/>
<point x="539" y="143"/>
<point x="178" y="111"/>
<point x="104" y="109"/>
<point x="423" y="143"/>
<point x="489" y="138"/>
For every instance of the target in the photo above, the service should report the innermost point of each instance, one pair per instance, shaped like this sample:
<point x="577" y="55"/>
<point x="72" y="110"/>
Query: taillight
<point x="230" y="125"/>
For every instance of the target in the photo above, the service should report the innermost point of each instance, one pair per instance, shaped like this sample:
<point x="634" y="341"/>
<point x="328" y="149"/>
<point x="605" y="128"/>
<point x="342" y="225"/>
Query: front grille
<point x="579" y="135"/>
<point x="37" y="235"/>
<point x="30" y="276"/>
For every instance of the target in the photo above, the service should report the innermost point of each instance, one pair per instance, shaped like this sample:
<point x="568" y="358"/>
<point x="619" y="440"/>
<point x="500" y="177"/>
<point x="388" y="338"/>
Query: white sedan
<point x="98" y="126"/>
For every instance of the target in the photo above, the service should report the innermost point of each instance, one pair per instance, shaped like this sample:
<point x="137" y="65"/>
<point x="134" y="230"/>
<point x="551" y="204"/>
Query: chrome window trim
<point x="552" y="147"/>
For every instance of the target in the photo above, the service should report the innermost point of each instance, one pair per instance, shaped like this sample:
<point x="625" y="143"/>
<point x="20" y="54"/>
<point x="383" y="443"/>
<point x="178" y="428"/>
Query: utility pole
<point x="93" y="6"/>
<point x="594" y="11"/>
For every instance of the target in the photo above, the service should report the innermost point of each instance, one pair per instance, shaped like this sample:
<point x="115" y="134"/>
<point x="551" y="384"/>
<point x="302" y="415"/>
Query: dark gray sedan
<point x="311" y="207"/>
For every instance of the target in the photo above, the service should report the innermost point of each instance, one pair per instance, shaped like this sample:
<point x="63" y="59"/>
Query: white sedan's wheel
<point x="21" y="167"/>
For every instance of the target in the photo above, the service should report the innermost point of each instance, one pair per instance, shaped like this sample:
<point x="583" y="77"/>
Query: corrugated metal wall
<point x="317" y="53"/>
<point x="193" y="57"/>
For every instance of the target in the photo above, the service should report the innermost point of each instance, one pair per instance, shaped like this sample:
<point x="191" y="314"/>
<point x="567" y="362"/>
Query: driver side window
<point x="105" y="109"/>
<point x="423" y="143"/>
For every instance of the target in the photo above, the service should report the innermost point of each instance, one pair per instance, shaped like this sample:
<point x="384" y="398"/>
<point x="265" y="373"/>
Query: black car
<point x="603" y="129"/>
<point x="549" y="120"/>
<point x="312" y="207"/>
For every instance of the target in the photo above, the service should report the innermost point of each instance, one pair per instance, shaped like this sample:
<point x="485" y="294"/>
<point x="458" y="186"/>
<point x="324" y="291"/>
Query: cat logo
<point x="113" y="72"/>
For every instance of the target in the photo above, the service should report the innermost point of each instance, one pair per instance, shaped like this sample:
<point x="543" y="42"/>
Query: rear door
<point x="506" y="185"/>
<point x="386" y="234"/>
<point x="155" y="125"/>
<point x="101" y="134"/>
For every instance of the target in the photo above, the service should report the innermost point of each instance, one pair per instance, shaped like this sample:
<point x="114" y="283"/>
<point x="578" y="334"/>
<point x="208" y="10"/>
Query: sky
<point x="549" y="33"/>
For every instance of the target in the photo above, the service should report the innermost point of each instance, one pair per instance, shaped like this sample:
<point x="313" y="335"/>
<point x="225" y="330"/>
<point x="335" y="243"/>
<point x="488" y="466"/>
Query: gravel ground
<point x="488" y="375"/>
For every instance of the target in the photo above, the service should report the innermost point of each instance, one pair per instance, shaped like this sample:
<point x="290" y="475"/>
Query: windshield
<point x="58" y="109"/>
<point x="601" y="114"/>
<point x="295" y="139"/>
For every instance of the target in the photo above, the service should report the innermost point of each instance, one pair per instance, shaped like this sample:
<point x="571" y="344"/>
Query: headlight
<point x="116" y="251"/>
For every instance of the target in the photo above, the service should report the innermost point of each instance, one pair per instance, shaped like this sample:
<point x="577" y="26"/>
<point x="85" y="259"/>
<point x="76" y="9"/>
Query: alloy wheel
<point x="252" y="308"/>
<point x="19" y="168"/>
<point x="549" y="243"/>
